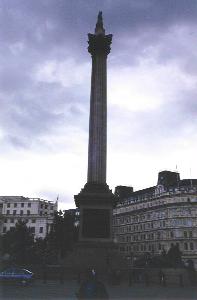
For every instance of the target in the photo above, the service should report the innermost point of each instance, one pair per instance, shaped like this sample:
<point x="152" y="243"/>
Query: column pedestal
<point x="96" y="202"/>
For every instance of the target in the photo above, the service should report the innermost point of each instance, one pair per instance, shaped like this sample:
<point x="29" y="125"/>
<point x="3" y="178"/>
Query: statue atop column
<point x="99" y="25"/>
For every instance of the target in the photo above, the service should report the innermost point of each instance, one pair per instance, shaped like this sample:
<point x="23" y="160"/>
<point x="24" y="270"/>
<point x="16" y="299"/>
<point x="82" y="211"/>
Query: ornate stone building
<point x="37" y="213"/>
<point x="152" y="219"/>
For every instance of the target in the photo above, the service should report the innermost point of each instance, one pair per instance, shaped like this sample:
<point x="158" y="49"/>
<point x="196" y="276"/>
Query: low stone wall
<point x="165" y="276"/>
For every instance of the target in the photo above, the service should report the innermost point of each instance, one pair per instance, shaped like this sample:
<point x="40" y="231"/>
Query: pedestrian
<point x="162" y="278"/>
<point x="92" y="288"/>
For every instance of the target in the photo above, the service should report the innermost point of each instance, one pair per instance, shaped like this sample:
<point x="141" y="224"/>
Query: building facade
<point x="152" y="219"/>
<point x="37" y="213"/>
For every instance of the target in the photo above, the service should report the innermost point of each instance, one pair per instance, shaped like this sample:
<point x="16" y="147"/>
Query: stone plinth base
<point x="103" y="257"/>
<point x="96" y="202"/>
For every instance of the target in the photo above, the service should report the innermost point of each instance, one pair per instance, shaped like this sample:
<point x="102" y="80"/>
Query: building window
<point x="29" y="204"/>
<point x="4" y="229"/>
<point x="171" y="234"/>
<point x="40" y="213"/>
<point x="7" y="212"/>
<point x="191" y="245"/>
<point x="14" y="212"/>
<point x="46" y="206"/>
<point x="15" y="204"/>
<point x="185" y="246"/>
<point x="41" y="230"/>
<point x="185" y="234"/>
<point x="5" y="220"/>
<point x="190" y="234"/>
<point x="21" y="212"/>
<point x="22" y="204"/>
<point x="12" y="220"/>
<point x="28" y="212"/>
<point x="33" y="221"/>
<point x="8" y="204"/>
<point x="32" y="229"/>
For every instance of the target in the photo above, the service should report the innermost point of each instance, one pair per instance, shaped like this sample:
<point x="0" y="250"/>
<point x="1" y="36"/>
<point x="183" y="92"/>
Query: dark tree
<point x="63" y="235"/>
<point x="174" y="256"/>
<point x="18" y="243"/>
<point x="22" y="249"/>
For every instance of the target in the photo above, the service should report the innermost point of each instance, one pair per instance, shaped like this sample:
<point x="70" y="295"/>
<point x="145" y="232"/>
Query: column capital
<point x="99" y="43"/>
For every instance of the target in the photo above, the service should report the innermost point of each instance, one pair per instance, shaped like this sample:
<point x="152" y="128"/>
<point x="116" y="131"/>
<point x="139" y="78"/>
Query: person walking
<point x="92" y="288"/>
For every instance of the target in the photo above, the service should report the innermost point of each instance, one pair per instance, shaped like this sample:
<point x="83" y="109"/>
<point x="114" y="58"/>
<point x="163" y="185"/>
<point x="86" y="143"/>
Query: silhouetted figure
<point x="162" y="278"/>
<point x="91" y="288"/>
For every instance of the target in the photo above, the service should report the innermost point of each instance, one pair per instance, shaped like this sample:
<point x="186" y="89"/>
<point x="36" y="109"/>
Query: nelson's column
<point x="96" y="200"/>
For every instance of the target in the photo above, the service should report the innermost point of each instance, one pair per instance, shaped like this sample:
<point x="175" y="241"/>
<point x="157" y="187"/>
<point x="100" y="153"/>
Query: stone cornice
<point x="152" y="208"/>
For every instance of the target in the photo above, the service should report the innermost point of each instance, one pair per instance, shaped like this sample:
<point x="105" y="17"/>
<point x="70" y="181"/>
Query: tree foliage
<point x="63" y="235"/>
<point x="171" y="259"/>
<point x="18" y="244"/>
<point x="23" y="249"/>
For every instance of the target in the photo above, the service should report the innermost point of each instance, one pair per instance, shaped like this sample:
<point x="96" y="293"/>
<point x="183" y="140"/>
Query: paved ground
<point x="55" y="290"/>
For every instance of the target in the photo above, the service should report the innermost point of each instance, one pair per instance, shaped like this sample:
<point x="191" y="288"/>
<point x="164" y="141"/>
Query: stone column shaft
<point x="97" y="152"/>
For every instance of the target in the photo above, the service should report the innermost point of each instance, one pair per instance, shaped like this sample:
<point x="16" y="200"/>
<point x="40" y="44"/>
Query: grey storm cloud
<point x="34" y="32"/>
<point x="146" y="131"/>
<point x="45" y="85"/>
<point x="50" y="23"/>
<point x="32" y="114"/>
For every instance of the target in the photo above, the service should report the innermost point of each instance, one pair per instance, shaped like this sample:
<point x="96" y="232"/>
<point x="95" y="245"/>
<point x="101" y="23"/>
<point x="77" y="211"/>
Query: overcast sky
<point x="45" y="73"/>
